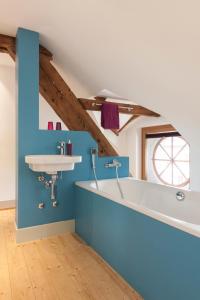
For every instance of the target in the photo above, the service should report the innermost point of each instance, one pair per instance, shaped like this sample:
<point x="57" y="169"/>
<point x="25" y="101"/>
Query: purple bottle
<point x="69" y="148"/>
<point x="58" y="126"/>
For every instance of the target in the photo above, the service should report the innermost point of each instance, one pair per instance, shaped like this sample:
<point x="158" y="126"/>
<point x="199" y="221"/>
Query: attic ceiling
<point x="144" y="51"/>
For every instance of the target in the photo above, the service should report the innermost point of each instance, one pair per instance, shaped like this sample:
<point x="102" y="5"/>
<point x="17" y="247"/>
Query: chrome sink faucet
<point x="114" y="164"/>
<point x="61" y="147"/>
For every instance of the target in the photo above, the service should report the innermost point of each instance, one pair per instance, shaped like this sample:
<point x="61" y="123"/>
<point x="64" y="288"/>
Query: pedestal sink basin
<point x="51" y="164"/>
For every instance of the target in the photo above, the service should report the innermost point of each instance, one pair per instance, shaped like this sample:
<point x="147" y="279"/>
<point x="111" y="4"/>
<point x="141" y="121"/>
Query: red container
<point x="50" y="125"/>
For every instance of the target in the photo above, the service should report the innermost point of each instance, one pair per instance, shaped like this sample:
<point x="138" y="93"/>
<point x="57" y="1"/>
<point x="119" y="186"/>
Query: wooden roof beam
<point x="3" y="50"/>
<point x="117" y="131"/>
<point x="7" y="41"/>
<point x="127" y="123"/>
<point x="64" y="102"/>
<point x="124" y="108"/>
<point x="8" y="45"/>
<point x="100" y="98"/>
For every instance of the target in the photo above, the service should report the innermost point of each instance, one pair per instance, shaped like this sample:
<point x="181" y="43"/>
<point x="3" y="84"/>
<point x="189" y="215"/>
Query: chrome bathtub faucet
<point x="114" y="164"/>
<point x="61" y="147"/>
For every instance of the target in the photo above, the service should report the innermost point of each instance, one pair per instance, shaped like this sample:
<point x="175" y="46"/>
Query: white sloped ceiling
<point x="146" y="51"/>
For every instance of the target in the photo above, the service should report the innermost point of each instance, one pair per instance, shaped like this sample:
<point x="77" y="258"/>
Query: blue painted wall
<point x="159" y="261"/>
<point x="30" y="140"/>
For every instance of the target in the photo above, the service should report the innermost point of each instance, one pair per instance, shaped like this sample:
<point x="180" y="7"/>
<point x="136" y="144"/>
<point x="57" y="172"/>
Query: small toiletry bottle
<point x="50" y="125"/>
<point x="58" y="126"/>
<point x="69" y="148"/>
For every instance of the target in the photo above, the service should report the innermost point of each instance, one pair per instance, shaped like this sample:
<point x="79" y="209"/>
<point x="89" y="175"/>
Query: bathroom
<point x="89" y="211"/>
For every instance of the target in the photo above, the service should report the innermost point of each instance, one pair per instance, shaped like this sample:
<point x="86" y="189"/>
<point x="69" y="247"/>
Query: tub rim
<point x="190" y="228"/>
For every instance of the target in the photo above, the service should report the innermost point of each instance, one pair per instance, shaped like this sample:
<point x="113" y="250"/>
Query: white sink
<point x="51" y="164"/>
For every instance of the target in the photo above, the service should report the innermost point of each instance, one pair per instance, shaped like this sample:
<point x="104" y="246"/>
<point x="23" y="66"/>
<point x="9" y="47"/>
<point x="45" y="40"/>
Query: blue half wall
<point x="31" y="140"/>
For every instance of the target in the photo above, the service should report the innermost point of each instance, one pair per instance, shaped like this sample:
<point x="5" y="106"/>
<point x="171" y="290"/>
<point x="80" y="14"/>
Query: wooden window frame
<point x="187" y="180"/>
<point x="145" y="132"/>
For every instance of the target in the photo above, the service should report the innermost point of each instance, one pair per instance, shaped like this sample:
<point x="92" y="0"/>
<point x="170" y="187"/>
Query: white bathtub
<point x="154" y="200"/>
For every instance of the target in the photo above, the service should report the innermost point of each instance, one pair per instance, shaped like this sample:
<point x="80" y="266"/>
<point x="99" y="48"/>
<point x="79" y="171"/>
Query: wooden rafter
<point x="7" y="41"/>
<point x="101" y="98"/>
<point x="58" y="94"/>
<point x="134" y="110"/>
<point x="131" y="109"/>
<point x="3" y="50"/>
<point x="8" y="45"/>
<point x="117" y="131"/>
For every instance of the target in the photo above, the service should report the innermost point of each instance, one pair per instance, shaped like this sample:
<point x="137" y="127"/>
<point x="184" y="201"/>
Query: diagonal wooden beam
<point x="7" y="41"/>
<point x="127" y="123"/>
<point x="8" y="45"/>
<point x="64" y="102"/>
<point x="3" y="50"/>
<point x="117" y="131"/>
<point x="124" y="108"/>
<point x="46" y="52"/>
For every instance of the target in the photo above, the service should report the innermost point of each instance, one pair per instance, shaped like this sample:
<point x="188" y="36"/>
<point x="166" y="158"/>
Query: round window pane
<point x="171" y="161"/>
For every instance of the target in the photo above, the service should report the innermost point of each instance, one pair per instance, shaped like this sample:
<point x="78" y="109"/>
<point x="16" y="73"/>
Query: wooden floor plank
<point x="21" y="286"/>
<point x="62" y="275"/>
<point x="90" y="270"/>
<point x="121" y="283"/>
<point x="43" y="288"/>
<point x="57" y="268"/>
<point x="5" y="288"/>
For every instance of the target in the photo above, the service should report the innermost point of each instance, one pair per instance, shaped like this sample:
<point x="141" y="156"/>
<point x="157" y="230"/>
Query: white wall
<point x="128" y="142"/>
<point x="118" y="142"/>
<point x="46" y="113"/>
<point x="132" y="146"/>
<point x="7" y="133"/>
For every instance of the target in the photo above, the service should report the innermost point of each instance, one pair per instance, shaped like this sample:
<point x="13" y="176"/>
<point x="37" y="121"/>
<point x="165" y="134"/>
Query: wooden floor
<point x="60" y="267"/>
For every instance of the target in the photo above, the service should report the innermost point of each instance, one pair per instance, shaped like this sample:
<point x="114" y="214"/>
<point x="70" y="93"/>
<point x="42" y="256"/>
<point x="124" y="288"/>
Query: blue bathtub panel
<point x="84" y="215"/>
<point x="161" y="262"/>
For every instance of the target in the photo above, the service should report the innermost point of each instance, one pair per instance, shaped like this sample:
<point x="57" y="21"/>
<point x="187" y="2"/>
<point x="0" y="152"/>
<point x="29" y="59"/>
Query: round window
<point x="171" y="161"/>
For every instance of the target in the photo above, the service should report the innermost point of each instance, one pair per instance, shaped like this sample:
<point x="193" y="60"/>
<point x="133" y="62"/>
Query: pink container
<point x="50" y="125"/>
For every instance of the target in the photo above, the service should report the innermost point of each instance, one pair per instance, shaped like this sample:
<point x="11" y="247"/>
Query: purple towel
<point x="109" y="115"/>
